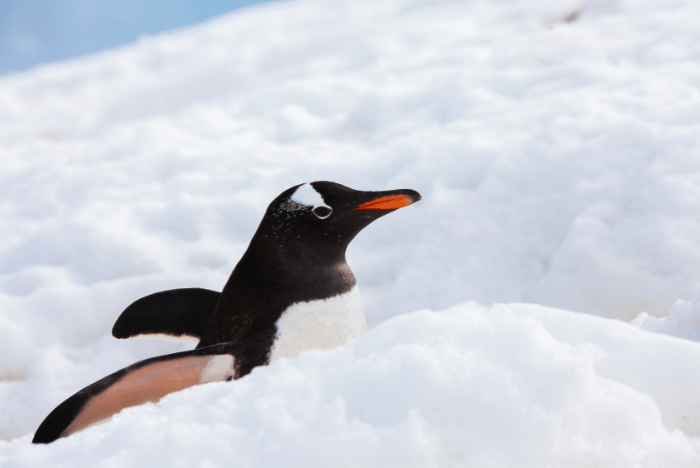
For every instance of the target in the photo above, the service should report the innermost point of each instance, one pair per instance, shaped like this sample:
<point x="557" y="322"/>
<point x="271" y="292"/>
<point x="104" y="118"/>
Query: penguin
<point x="291" y="291"/>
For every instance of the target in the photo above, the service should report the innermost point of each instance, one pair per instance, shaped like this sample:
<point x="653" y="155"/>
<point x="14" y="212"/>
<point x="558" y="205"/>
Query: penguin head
<point x="324" y="216"/>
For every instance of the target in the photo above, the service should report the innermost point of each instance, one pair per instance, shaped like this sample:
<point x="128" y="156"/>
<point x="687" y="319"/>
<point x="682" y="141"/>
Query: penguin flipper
<point x="147" y="380"/>
<point x="175" y="315"/>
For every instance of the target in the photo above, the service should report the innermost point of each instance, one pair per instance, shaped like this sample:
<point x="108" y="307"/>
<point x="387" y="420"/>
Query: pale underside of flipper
<point x="174" y="315"/>
<point x="148" y="380"/>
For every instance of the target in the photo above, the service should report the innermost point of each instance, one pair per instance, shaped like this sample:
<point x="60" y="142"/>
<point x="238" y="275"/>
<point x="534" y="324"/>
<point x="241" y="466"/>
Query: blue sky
<point x="39" y="31"/>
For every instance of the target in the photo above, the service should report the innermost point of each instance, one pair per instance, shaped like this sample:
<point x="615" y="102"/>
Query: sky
<point x="39" y="31"/>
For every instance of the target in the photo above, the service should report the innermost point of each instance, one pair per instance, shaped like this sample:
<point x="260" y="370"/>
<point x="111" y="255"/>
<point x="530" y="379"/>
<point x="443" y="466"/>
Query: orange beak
<point x="390" y="202"/>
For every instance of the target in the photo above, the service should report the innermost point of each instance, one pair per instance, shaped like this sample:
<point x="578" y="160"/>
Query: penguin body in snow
<point x="292" y="290"/>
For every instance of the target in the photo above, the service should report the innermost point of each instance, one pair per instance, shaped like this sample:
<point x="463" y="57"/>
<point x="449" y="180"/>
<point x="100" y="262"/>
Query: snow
<point x="683" y="320"/>
<point x="555" y="145"/>
<point x="510" y="385"/>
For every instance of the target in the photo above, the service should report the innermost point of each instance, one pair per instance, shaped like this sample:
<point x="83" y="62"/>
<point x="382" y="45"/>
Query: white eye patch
<point x="305" y="196"/>
<point x="308" y="196"/>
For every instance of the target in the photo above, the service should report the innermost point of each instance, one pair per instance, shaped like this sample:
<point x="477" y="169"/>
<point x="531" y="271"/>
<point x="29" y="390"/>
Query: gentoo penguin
<point x="291" y="291"/>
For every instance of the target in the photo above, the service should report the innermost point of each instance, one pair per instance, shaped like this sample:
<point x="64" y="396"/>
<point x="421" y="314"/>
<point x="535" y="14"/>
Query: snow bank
<point x="683" y="320"/>
<point x="556" y="149"/>
<point x="508" y="386"/>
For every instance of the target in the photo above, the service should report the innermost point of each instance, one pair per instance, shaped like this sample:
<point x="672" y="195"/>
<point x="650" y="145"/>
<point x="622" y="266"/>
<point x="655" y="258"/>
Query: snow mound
<point x="683" y="320"/>
<point x="510" y="385"/>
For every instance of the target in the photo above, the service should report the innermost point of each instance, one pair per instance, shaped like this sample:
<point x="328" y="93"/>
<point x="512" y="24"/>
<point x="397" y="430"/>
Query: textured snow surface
<point x="557" y="149"/>
<point x="515" y="385"/>
<point x="683" y="320"/>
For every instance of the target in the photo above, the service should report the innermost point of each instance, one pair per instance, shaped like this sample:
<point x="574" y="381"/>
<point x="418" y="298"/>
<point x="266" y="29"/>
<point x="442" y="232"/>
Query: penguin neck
<point x="270" y="277"/>
<point x="275" y="261"/>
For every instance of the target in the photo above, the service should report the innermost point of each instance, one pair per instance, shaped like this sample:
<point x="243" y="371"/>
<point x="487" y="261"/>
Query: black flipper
<point x="147" y="380"/>
<point x="177" y="314"/>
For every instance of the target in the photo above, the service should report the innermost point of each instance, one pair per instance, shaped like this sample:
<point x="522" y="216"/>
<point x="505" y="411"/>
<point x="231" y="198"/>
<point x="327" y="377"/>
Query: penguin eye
<point x="322" y="212"/>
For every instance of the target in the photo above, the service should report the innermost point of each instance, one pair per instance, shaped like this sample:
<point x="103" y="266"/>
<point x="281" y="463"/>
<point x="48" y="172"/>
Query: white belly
<point x="319" y="325"/>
